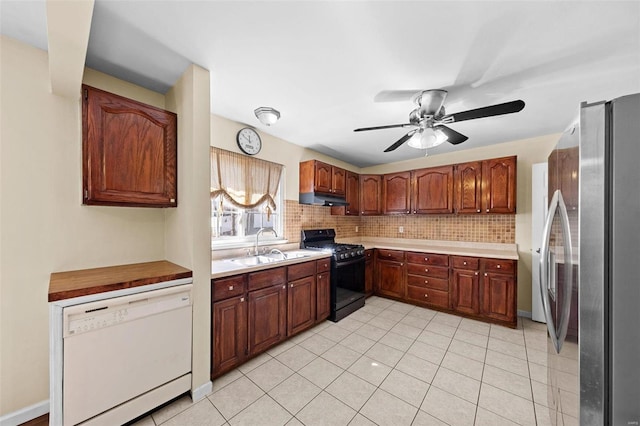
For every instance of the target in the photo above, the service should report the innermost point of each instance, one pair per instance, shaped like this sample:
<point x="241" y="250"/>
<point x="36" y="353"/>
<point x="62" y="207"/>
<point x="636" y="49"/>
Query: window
<point x="246" y="195"/>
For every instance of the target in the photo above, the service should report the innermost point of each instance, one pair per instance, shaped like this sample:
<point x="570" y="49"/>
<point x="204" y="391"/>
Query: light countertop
<point x="224" y="268"/>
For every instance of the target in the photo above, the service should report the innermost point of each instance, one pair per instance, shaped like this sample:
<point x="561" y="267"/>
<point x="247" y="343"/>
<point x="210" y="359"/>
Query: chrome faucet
<point x="260" y="231"/>
<point x="278" y="251"/>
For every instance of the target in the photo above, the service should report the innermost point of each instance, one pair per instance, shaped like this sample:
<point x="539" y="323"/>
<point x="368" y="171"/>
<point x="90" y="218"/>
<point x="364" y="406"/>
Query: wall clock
<point x="249" y="141"/>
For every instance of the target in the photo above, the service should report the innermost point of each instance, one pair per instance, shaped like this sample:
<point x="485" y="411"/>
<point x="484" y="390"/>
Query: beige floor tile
<point x="397" y="341"/>
<point x="371" y="309"/>
<point x="542" y="415"/>
<point x="384" y="354"/>
<point x="370" y="370"/>
<point x="371" y="332"/>
<point x="536" y="356"/>
<point x="357" y="343"/>
<point x="362" y="316"/>
<point x="280" y="348"/>
<point x="360" y="420"/>
<point x="326" y="410"/>
<point x="225" y="379"/>
<point x="487" y="418"/>
<point x="471" y="337"/>
<point x="434" y="339"/>
<point x="296" y="357"/>
<point x="405" y="387"/>
<point x="334" y="333"/>
<point x="416" y="322"/>
<point x="457" y="384"/>
<point x="170" y="410"/>
<point x="468" y="350"/>
<point x="510" y="406"/>
<point x="385" y="409"/>
<point x="475" y="326"/>
<point x="391" y="315"/>
<point x="537" y="372"/>
<point x="507" y="381"/>
<point x="423" y="313"/>
<point x="301" y="337"/>
<point x="379" y="301"/>
<point x="427" y="352"/>
<point x="507" y="348"/>
<point x="417" y="367"/>
<point x="264" y="412"/>
<point x="254" y="363"/>
<point x="528" y="323"/>
<point x="145" y="421"/>
<point x="507" y="334"/>
<point x="341" y="356"/>
<point x="406" y="330"/>
<point x="540" y="393"/>
<point x="320" y="372"/>
<point x="294" y="422"/>
<point x="448" y="408"/>
<point x="383" y="323"/>
<point x="350" y="323"/>
<point x="317" y="344"/>
<point x="463" y="365"/>
<point x="424" y="419"/>
<point x="439" y="328"/>
<point x="202" y="413"/>
<point x="351" y="390"/>
<point x="537" y="341"/>
<point x="506" y="362"/>
<point x="294" y="393"/>
<point x="270" y="374"/>
<point x="401" y="307"/>
<point x="447" y="319"/>
<point x="319" y="327"/>
<point x="235" y="397"/>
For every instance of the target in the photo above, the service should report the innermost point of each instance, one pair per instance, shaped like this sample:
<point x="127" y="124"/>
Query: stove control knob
<point x="341" y="256"/>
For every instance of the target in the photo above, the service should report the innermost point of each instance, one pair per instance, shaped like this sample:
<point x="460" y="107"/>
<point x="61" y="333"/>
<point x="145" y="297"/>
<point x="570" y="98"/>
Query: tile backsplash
<point x="474" y="228"/>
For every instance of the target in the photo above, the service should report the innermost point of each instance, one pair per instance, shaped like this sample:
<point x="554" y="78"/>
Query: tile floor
<point x="389" y="363"/>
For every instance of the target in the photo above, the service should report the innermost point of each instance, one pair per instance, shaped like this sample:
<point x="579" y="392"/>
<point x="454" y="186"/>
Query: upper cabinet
<point x="370" y="194"/>
<point x="487" y="186"/>
<point x="352" y="196"/>
<point x="396" y="193"/>
<point x="316" y="176"/>
<point x="563" y="175"/>
<point x="129" y="152"/>
<point x="432" y="190"/>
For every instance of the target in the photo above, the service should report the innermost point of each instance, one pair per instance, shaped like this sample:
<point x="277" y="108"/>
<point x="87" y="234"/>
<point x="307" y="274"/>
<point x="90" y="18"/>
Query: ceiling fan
<point x="429" y="120"/>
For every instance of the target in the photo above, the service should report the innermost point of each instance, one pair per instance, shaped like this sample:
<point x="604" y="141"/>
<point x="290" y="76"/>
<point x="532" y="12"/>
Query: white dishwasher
<point x="125" y="354"/>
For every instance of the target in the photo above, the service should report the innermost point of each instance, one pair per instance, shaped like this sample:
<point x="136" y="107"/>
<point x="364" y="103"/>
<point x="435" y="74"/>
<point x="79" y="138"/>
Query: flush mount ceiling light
<point x="267" y="115"/>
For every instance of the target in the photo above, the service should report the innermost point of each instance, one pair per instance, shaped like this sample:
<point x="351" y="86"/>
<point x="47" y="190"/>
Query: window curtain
<point x="243" y="181"/>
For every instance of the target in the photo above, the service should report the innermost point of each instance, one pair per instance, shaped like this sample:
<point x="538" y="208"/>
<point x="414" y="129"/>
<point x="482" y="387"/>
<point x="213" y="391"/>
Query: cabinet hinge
<point x="86" y="194"/>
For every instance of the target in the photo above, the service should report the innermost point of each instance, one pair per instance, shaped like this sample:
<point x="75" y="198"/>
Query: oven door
<point x="349" y="274"/>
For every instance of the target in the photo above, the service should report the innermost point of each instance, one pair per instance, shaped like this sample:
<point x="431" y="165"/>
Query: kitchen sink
<point x="281" y="256"/>
<point x="267" y="258"/>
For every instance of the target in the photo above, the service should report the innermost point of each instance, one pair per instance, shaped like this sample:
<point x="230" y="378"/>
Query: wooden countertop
<point x="69" y="284"/>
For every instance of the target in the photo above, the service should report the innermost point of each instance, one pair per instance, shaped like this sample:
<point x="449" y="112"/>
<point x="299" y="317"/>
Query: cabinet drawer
<point x="228" y="287"/>
<point x="499" y="265"/>
<point x="301" y="270"/>
<point x="266" y="278"/>
<point x="322" y="265"/>
<point x="422" y="281"/>
<point x="427" y="295"/>
<point x="460" y="262"/>
<point x="428" y="270"/>
<point x="428" y="259"/>
<point x="395" y="255"/>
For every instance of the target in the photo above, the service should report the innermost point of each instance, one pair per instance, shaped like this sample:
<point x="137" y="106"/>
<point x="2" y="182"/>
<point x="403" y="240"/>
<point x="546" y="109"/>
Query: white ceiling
<point x="321" y="63"/>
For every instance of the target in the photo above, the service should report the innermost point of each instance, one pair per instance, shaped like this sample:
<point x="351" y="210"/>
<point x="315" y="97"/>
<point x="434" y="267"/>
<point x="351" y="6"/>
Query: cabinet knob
<point x="319" y="277"/>
<point x="476" y="273"/>
<point x="426" y="295"/>
<point x="426" y="281"/>
<point x="486" y="275"/>
<point x="408" y="211"/>
<point x="284" y="286"/>
<point x="426" y="258"/>
<point x="242" y="299"/>
<point x="498" y="266"/>
<point x="487" y="210"/>
<point x="464" y="263"/>
<point x="401" y="264"/>
<point x="478" y="210"/>
<point x="291" y="285"/>
<point x="426" y="269"/>
<point x="230" y="287"/>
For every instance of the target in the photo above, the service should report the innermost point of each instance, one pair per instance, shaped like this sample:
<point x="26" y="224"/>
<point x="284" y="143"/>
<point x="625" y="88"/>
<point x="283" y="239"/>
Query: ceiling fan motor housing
<point x="431" y="101"/>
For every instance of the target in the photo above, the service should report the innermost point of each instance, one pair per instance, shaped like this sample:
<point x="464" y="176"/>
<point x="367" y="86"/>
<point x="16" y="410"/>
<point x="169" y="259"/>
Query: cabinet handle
<point x="464" y="263"/>
<point x="291" y="285"/>
<point x="426" y="281"/>
<point x="426" y="258"/>
<point x="284" y="286"/>
<point x="426" y="270"/>
<point x="487" y="210"/>
<point x="242" y="299"/>
<point x="401" y="264"/>
<point x="230" y="287"/>
<point x="476" y="273"/>
<point x="319" y="277"/>
<point x="485" y="274"/>
<point x="408" y="211"/>
<point x="498" y="266"/>
<point x="478" y="210"/>
<point x="426" y="295"/>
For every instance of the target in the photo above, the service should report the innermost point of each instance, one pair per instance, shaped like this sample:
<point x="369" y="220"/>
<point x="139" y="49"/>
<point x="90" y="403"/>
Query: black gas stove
<point x="347" y="270"/>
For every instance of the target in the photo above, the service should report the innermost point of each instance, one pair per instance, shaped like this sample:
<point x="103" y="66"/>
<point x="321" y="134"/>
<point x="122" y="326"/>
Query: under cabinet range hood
<point x="318" y="199"/>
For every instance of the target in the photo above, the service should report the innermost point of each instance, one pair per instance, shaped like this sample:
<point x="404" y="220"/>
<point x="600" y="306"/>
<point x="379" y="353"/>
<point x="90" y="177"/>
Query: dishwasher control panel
<point x="107" y="313"/>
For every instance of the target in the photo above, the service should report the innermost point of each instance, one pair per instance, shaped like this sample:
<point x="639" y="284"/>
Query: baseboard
<point x="201" y="391"/>
<point x="525" y="314"/>
<point x="25" y="414"/>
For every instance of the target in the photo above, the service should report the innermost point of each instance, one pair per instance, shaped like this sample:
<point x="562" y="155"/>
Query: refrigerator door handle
<point x="563" y="322"/>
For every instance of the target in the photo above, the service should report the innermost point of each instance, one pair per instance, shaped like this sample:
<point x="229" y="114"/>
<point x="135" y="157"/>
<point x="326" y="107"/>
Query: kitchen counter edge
<point x="221" y="268"/>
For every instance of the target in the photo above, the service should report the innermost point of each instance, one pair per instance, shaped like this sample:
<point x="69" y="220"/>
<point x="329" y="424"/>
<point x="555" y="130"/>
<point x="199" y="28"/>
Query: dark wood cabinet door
<point x="464" y="291"/>
<point x="129" y="152"/>
<point x="568" y="169"/>
<point x="396" y="193"/>
<point x="267" y="317"/>
<point x="432" y="190"/>
<point x="323" y="177"/>
<point x="499" y="185"/>
<point x="468" y="187"/>
<point x="352" y="196"/>
<point x="301" y="305"/>
<point x="498" y="297"/>
<point x="338" y="181"/>
<point x="369" y="272"/>
<point x="229" y="329"/>
<point x="370" y="194"/>
<point x="323" y="296"/>
<point x="390" y="278"/>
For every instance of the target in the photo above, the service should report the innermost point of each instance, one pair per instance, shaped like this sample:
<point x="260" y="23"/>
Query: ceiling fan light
<point x="416" y="140"/>
<point x="440" y="137"/>
<point x="267" y="115"/>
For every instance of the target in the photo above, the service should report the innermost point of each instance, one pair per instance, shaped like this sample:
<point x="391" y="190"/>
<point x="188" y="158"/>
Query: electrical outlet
<point x="401" y="229"/>
<point x="357" y="227"/>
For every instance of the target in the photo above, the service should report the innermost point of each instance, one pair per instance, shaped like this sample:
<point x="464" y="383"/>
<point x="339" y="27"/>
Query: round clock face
<point x="249" y="141"/>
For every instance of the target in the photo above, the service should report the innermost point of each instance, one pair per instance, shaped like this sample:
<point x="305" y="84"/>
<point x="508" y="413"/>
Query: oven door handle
<point x="349" y="262"/>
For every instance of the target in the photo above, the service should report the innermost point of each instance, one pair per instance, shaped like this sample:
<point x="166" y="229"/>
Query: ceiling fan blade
<point x="400" y="141"/>
<point x="390" y="126"/>
<point x="453" y="137"/>
<point x="489" y="111"/>
<point x="396" y="95"/>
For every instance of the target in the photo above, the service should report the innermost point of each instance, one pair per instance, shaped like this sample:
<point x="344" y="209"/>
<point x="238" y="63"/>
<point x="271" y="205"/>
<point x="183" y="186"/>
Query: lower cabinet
<point x="302" y="304"/>
<point x="498" y="290"/>
<point x="465" y="281"/>
<point x="267" y="317"/>
<point x="323" y="296"/>
<point x="229" y="333"/>
<point x="390" y="273"/>
<point x="368" y="272"/>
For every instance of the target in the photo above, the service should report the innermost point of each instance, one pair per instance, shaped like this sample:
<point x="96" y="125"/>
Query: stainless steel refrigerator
<point x="590" y="268"/>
